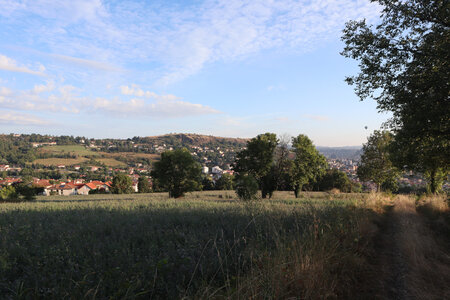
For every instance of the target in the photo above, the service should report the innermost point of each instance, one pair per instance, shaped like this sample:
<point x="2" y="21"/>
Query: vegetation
<point x="404" y="66"/>
<point x="144" y="185"/>
<point x="121" y="184"/>
<point x="256" y="161"/>
<point x="376" y="164"/>
<point x="309" y="165"/>
<point x="177" y="172"/>
<point x="196" y="248"/>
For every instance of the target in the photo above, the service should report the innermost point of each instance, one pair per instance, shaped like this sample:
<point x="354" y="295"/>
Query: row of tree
<point x="266" y="164"/>
<point x="404" y="66"/>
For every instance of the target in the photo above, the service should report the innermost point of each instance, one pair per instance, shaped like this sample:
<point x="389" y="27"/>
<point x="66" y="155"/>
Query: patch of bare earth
<point x="412" y="263"/>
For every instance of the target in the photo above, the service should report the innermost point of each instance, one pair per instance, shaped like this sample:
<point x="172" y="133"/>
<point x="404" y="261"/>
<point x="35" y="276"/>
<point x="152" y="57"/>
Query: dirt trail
<point x="411" y="263"/>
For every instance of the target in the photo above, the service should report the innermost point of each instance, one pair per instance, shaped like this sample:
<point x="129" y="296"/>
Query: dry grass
<point x="54" y="161"/>
<point x="428" y="263"/>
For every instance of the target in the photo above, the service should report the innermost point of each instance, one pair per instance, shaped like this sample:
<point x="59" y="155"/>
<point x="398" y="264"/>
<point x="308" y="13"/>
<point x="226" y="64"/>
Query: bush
<point x="8" y="193"/>
<point x="246" y="187"/>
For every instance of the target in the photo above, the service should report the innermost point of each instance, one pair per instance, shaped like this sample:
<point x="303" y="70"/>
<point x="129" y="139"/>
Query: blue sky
<point x="139" y="68"/>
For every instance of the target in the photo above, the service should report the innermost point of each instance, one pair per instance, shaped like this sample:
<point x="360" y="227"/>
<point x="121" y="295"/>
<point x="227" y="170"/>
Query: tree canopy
<point x="309" y="165"/>
<point x="121" y="184"/>
<point x="177" y="172"/>
<point x="404" y="66"/>
<point x="257" y="159"/>
<point x="375" y="163"/>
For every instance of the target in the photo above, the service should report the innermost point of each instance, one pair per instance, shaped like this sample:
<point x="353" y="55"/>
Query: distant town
<point x="68" y="165"/>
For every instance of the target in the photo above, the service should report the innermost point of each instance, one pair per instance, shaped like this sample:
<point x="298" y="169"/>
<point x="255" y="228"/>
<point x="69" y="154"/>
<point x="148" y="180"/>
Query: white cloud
<point x="41" y="88"/>
<point x="134" y="90"/>
<point x="10" y="64"/>
<point x="14" y="118"/>
<point x="66" y="100"/>
<point x="170" y="43"/>
<point x="101" y="66"/>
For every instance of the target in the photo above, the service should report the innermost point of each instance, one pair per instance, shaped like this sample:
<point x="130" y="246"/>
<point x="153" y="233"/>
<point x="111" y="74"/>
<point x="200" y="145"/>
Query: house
<point x="4" y="168"/>
<point x="63" y="189"/>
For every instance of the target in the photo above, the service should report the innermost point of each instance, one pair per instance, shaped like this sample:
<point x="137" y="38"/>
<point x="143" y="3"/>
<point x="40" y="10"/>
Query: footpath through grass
<point x="207" y="245"/>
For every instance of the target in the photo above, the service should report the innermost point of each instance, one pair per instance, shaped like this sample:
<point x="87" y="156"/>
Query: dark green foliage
<point x="121" y="184"/>
<point x="257" y="160"/>
<point x="177" y="172"/>
<point x="98" y="192"/>
<point x="208" y="183"/>
<point x="246" y="187"/>
<point x="376" y="164"/>
<point x="308" y="166"/>
<point x="335" y="179"/>
<point x="144" y="185"/>
<point x="404" y="66"/>
<point x="15" y="151"/>
<point x="225" y="182"/>
<point x="8" y="193"/>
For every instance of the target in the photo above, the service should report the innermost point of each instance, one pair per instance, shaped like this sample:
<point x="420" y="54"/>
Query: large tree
<point x="375" y="163"/>
<point x="257" y="160"/>
<point x="404" y="66"/>
<point x="177" y="172"/>
<point x="122" y="184"/>
<point x="308" y="166"/>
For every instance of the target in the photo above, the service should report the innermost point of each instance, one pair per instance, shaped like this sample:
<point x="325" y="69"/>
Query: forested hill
<point x="351" y="152"/>
<point x="190" y="140"/>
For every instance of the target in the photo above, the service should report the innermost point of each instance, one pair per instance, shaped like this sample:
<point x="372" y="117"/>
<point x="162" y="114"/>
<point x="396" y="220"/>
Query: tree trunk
<point x="433" y="185"/>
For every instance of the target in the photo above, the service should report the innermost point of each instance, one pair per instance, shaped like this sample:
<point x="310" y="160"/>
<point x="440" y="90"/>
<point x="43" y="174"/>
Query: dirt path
<point x="411" y="263"/>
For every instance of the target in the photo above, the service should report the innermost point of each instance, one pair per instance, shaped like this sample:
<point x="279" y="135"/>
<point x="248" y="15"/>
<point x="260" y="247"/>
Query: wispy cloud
<point x="134" y="90"/>
<point x="14" y="118"/>
<point x="319" y="118"/>
<point x="9" y="64"/>
<point x="175" y="42"/>
<point x="66" y="99"/>
<point x="101" y="66"/>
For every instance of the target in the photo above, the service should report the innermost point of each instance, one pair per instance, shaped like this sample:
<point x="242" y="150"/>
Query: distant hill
<point x="349" y="152"/>
<point x="190" y="139"/>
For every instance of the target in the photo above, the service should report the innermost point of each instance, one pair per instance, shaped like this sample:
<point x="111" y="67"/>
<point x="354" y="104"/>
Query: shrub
<point x="246" y="187"/>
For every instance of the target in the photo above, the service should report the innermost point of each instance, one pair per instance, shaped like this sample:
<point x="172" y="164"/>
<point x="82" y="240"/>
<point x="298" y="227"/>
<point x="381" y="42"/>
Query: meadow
<point x="206" y="245"/>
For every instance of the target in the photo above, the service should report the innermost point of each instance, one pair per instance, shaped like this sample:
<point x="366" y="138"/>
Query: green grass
<point x="78" y="150"/>
<point x="206" y="245"/>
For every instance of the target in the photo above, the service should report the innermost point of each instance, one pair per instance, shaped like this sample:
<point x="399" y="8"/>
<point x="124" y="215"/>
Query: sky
<point x="119" y="69"/>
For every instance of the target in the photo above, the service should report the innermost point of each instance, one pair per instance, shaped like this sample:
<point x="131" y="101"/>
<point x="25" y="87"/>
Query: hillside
<point x="351" y="152"/>
<point x="190" y="139"/>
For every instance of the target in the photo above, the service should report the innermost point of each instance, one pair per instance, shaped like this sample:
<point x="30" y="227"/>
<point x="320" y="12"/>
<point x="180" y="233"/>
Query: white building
<point x="205" y="170"/>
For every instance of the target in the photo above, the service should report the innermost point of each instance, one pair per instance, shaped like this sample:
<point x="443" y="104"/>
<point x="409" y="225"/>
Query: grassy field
<point x="111" y="162"/>
<point x="78" y="150"/>
<point x="206" y="245"/>
<point x="82" y="153"/>
<point x="55" y="161"/>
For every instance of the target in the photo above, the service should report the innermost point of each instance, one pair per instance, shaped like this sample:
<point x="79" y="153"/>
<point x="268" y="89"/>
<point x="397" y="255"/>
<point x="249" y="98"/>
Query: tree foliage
<point x="225" y="182"/>
<point x="308" y="166"/>
<point x="404" y="66"/>
<point x="246" y="187"/>
<point x="257" y="160"/>
<point x="121" y="184"/>
<point x="144" y="185"/>
<point x="178" y="172"/>
<point x="375" y="163"/>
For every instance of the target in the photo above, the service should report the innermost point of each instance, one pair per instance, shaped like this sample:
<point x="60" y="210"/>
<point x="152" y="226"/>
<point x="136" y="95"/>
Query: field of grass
<point x="111" y="162"/>
<point x="55" y="161"/>
<point x="78" y="150"/>
<point x="206" y="245"/>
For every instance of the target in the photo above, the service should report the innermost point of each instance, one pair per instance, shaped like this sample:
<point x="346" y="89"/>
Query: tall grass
<point x="207" y="245"/>
<point x="428" y="260"/>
